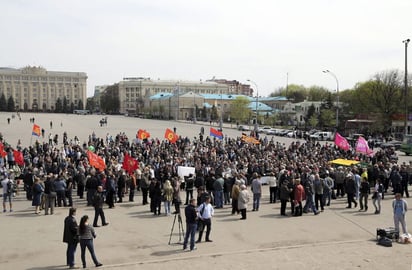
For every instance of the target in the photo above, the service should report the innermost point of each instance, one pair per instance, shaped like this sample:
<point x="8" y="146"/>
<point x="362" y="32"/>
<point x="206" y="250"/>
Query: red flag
<point x="171" y="136"/>
<point x="363" y="147"/>
<point x="2" y="152"/>
<point x="341" y="142"/>
<point x="18" y="157"/>
<point x="96" y="161"/>
<point x="130" y="164"/>
<point x="143" y="134"/>
<point x="36" y="130"/>
<point x="216" y="133"/>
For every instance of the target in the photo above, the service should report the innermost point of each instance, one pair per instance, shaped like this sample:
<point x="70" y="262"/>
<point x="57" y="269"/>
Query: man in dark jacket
<point x="191" y="225"/>
<point x="70" y="236"/>
<point x="98" y="201"/>
<point x="350" y="190"/>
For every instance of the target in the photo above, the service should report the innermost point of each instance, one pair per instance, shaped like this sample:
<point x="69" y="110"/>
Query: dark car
<point x="391" y="144"/>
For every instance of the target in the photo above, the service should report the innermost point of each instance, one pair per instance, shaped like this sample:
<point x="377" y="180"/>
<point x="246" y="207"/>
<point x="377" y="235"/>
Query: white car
<point x="291" y="134"/>
<point x="265" y="129"/>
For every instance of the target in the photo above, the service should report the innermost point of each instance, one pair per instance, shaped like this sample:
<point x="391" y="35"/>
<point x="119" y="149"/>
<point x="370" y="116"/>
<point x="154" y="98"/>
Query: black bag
<point x="389" y="233"/>
<point x="384" y="241"/>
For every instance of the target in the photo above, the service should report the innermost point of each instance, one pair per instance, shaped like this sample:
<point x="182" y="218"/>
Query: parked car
<point x="291" y="134"/>
<point x="243" y="128"/>
<point x="322" y="135"/>
<point x="265" y="129"/>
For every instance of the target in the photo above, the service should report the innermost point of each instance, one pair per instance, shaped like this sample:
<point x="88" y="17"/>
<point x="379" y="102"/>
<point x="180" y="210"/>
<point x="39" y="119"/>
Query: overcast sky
<point x="196" y="40"/>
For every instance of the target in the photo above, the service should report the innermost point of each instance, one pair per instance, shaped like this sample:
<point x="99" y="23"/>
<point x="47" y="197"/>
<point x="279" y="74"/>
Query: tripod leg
<point x="171" y="231"/>
<point x="181" y="228"/>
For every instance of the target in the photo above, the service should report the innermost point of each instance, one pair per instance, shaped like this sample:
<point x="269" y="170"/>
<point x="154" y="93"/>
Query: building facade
<point x="37" y="89"/>
<point x="135" y="93"/>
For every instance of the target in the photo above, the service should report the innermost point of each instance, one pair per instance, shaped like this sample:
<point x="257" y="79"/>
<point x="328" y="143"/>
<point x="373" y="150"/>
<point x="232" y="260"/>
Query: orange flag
<point x="143" y="134"/>
<point x="171" y="136"/>
<point x="96" y="161"/>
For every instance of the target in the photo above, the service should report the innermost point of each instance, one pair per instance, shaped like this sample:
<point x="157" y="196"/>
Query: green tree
<point x="80" y="105"/>
<point x="65" y="107"/>
<point x="71" y="107"/>
<point x="327" y="118"/>
<point x="313" y="121"/>
<point x="90" y="104"/>
<point x="239" y="110"/>
<point x="109" y="100"/>
<point x="214" y="115"/>
<point x="317" y="93"/>
<point x="59" y="106"/>
<point x="3" y="104"/>
<point x="10" y="104"/>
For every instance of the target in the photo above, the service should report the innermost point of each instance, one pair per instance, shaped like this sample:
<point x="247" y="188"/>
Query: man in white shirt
<point x="206" y="213"/>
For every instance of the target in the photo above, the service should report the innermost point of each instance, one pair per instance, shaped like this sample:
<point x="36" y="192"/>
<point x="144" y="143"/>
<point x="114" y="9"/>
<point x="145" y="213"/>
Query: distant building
<point x="37" y="89"/>
<point x="134" y="93"/>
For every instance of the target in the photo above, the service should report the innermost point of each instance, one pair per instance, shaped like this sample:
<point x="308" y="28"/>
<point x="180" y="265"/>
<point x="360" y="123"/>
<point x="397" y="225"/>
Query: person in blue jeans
<point x="191" y="225"/>
<point x="257" y="192"/>
<point x="86" y="236"/>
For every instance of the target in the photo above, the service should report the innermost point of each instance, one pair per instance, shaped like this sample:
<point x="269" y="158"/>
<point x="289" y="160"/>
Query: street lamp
<point x="194" y="108"/>
<point x="406" y="41"/>
<point x="257" y="101"/>
<point x="337" y="95"/>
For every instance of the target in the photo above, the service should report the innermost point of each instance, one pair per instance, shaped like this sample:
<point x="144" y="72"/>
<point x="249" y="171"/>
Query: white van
<point x="322" y="135"/>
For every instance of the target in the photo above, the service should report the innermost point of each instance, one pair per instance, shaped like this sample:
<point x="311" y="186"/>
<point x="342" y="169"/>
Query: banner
<point x="216" y="133"/>
<point x="18" y="157"/>
<point x="363" y="147"/>
<point x="143" y="134"/>
<point x="96" y="161"/>
<point x="341" y="142"/>
<point x="171" y="136"/>
<point x="36" y="130"/>
<point x="130" y="164"/>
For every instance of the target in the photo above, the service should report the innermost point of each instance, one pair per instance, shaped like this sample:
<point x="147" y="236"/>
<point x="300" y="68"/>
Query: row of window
<point x="36" y="78"/>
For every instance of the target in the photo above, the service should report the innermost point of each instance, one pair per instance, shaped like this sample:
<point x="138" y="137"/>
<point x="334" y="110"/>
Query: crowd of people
<point x="299" y="174"/>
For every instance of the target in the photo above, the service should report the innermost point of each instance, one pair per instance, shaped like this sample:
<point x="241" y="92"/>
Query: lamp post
<point x="194" y="108"/>
<point x="406" y="41"/>
<point x="337" y="95"/>
<point x="221" y="110"/>
<point x="257" y="101"/>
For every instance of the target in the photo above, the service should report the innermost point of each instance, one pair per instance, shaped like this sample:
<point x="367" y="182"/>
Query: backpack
<point x="10" y="187"/>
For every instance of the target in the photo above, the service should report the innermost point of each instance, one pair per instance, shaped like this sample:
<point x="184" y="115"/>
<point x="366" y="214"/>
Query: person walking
<point x="86" y="236"/>
<point x="167" y="197"/>
<point x="351" y="190"/>
<point x="7" y="185"/>
<point x="243" y="201"/>
<point x="37" y="194"/>
<point x="377" y="196"/>
<point x="364" y="194"/>
<point x="206" y="213"/>
<point x="70" y="236"/>
<point x="400" y="207"/>
<point x="191" y="225"/>
<point x="98" y="201"/>
<point x="50" y="195"/>
<point x="235" y="197"/>
<point x="257" y="192"/>
<point x="273" y="188"/>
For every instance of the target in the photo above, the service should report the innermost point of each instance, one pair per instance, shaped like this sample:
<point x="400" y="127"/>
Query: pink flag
<point x="341" y="142"/>
<point x="362" y="146"/>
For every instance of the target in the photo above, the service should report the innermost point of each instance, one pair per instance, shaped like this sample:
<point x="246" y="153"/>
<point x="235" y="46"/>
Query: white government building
<point x="37" y="89"/>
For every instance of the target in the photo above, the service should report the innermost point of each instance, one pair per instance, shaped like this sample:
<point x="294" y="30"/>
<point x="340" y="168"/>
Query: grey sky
<point x="192" y="40"/>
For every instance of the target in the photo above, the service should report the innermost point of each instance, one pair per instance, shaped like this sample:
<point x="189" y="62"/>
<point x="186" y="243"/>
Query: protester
<point x="70" y="236"/>
<point x="191" y="225"/>
<point x="7" y="185"/>
<point x="206" y="213"/>
<point x="37" y="195"/>
<point x="98" y="201"/>
<point x="243" y="201"/>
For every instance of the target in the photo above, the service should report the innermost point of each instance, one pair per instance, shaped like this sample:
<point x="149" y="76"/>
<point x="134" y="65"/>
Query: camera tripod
<point x="181" y="231"/>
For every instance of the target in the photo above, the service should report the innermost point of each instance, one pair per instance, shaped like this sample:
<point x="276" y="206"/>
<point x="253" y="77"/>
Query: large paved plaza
<point x="338" y="238"/>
